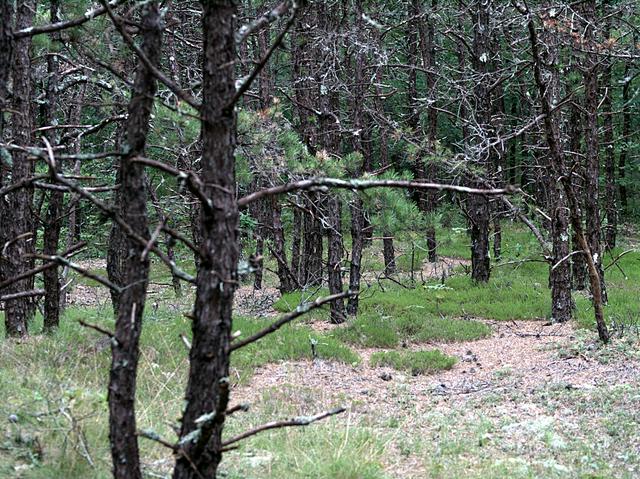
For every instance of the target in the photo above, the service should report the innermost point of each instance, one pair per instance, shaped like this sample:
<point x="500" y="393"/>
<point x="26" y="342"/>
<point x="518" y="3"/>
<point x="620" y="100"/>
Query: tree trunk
<point x="611" y="230"/>
<point x="132" y="207"/>
<point x="578" y="262"/>
<point x="357" y="245"/>
<point x="557" y="163"/>
<point x="207" y="388"/>
<point x="560" y="274"/>
<point x="296" y="239"/>
<point x="479" y="210"/>
<point x="53" y="220"/>
<point x="334" y="256"/>
<point x="626" y="138"/>
<point x="18" y="219"/>
<point x="592" y="162"/>
<point x="284" y="275"/>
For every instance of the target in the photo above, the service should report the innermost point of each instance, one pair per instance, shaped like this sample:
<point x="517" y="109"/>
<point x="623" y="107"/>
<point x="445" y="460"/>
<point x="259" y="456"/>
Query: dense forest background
<point x="180" y="153"/>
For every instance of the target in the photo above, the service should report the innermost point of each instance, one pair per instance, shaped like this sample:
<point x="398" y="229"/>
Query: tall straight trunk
<point x="72" y="208"/>
<point x="53" y="220"/>
<point x="217" y="276"/>
<point x="626" y="132"/>
<point x="560" y="274"/>
<point x="132" y="207"/>
<point x="284" y="275"/>
<point x="361" y="145"/>
<point x="296" y="239"/>
<point x="18" y="220"/>
<point x="357" y="246"/>
<point x="479" y="211"/>
<point x="334" y="256"/>
<point x="388" y="249"/>
<point x="426" y="32"/>
<point x="560" y="269"/>
<point x="611" y="209"/>
<point x="592" y="160"/>
<point x="6" y="54"/>
<point x="311" y="270"/>
<point x="578" y="262"/>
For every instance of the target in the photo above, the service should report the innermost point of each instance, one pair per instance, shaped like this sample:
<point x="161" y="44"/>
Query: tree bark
<point x="557" y="162"/>
<point x="18" y="220"/>
<point x="53" y="220"/>
<point x="217" y="276"/>
<point x="132" y="207"/>
<point x="592" y="161"/>
<point x="479" y="211"/>
<point x="611" y="207"/>
<point x="626" y="136"/>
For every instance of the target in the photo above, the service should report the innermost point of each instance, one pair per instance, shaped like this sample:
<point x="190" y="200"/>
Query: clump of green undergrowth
<point x="416" y="362"/>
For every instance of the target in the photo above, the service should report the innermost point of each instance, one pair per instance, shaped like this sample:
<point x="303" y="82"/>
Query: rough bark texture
<point x="560" y="269"/>
<point x="611" y="210"/>
<point x="17" y="220"/>
<point x="132" y="207"/>
<point x="578" y="262"/>
<point x="284" y="274"/>
<point x="559" y="168"/>
<point x="217" y="273"/>
<point x="626" y="132"/>
<point x="478" y="206"/>
<point x="53" y="220"/>
<point x="296" y="239"/>
<point x="334" y="257"/>
<point x="592" y="160"/>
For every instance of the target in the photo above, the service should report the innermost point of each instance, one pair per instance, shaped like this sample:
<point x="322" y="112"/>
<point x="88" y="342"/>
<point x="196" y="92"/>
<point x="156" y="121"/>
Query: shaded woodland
<point x="178" y="155"/>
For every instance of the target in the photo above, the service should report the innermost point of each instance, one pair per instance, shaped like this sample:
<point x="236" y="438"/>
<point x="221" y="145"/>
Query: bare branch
<point x="55" y="27"/>
<point x="287" y="318"/>
<point x="100" y="329"/>
<point x="298" y="421"/>
<point x="359" y="184"/>
<point x="259" y="23"/>
<point x="179" y="92"/>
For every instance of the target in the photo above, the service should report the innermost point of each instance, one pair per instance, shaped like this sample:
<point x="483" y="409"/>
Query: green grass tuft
<point x="416" y="362"/>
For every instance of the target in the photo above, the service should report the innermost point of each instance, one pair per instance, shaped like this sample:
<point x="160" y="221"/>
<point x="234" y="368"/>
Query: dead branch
<point x="259" y="23"/>
<point x="287" y="318"/>
<point x="298" y="421"/>
<point x="177" y="91"/>
<point x="95" y="327"/>
<point x="360" y="184"/>
<point x="55" y="27"/>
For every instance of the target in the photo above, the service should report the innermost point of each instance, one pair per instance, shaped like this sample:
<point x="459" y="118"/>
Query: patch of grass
<point x="416" y="362"/>
<point x="369" y="332"/>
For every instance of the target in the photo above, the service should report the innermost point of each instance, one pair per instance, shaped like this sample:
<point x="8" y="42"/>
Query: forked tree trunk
<point x="217" y="276"/>
<point x="132" y="207"/>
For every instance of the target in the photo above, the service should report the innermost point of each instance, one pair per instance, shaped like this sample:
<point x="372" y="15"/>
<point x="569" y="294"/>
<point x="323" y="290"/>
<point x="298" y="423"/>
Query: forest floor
<point x="524" y="399"/>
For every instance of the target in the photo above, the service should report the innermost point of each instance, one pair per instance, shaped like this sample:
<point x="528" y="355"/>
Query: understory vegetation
<point x="54" y="388"/>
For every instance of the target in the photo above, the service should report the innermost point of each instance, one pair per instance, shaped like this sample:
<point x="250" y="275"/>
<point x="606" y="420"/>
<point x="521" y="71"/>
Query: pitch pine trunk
<point x="592" y="161"/>
<point x="53" y="220"/>
<point x="217" y="276"/>
<point x="132" y="207"/>
<point x="17" y="220"/>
